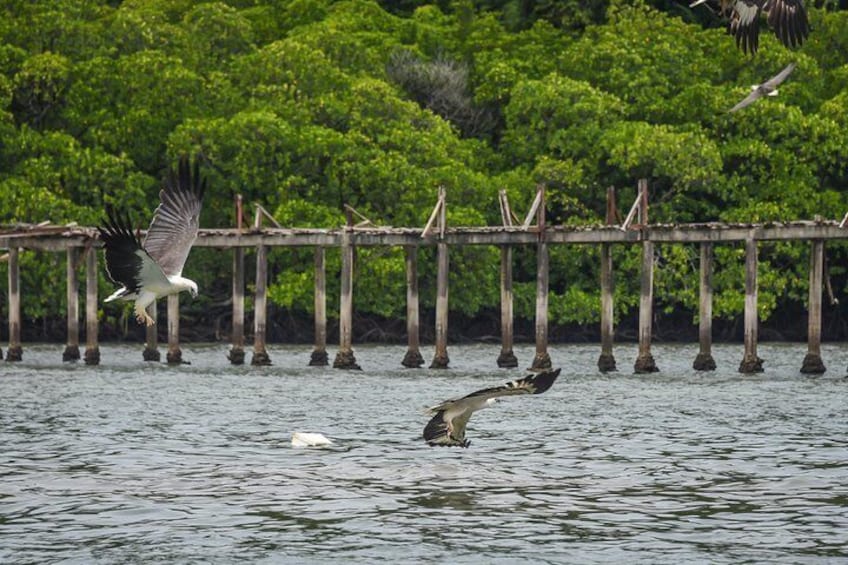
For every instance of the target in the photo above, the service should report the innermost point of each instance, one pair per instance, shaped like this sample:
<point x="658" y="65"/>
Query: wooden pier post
<point x="751" y="363"/>
<point x="319" y="356"/>
<point x="413" y="358"/>
<point x="260" y="308"/>
<point x="606" y="362"/>
<point x="345" y="359"/>
<point x="151" y="347"/>
<point x="704" y="361"/>
<point x="92" y="349"/>
<point x="813" y="363"/>
<point x="236" y="352"/>
<point x="175" y="354"/>
<point x="440" y="358"/>
<point x="542" y="359"/>
<point x="72" y="352"/>
<point x="645" y="361"/>
<point x="15" y="351"/>
<point x="507" y="358"/>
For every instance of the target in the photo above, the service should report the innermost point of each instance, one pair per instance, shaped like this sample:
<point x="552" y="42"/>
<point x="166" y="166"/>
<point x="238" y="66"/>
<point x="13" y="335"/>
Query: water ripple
<point x="136" y="463"/>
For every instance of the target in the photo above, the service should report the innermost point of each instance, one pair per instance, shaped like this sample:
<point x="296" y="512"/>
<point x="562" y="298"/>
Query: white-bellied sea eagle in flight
<point x="447" y="427"/>
<point x="153" y="269"/>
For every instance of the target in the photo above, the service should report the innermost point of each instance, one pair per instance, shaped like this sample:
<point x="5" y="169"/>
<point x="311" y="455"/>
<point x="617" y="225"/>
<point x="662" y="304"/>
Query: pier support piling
<point x="151" y="347"/>
<point x="751" y="363"/>
<point x="813" y="363"/>
<point x="542" y="359"/>
<point x="413" y="358"/>
<point x="260" y="308"/>
<point x="345" y="359"/>
<point x="72" y="352"/>
<point x="506" y="359"/>
<point x="319" y="356"/>
<point x="704" y="361"/>
<point x="606" y="362"/>
<point x="15" y="351"/>
<point x="92" y="349"/>
<point x="236" y="353"/>
<point x="175" y="354"/>
<point x="645" y="361"/>
<point x="440" y="358"/>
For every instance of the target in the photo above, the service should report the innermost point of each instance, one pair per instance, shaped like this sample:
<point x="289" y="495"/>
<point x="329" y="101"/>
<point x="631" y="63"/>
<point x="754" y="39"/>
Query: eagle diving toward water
<point x="768" y="88"/>
<point x="447" y="427"/>
<point x="788" y="19"/>
<point x="153" y="269"/>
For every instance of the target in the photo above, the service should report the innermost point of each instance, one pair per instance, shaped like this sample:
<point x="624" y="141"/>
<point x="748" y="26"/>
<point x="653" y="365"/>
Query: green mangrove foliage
<point x="304" y="106"/>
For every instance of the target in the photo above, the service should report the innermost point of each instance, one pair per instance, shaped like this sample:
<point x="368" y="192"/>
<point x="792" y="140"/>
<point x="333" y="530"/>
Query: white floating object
<point x="308" y="439"/>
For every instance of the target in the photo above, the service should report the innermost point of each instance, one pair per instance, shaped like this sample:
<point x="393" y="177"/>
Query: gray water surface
<point x="132" y="462"/>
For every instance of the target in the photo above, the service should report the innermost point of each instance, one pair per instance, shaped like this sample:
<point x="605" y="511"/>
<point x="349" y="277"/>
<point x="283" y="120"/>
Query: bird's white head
<point x="192" y="289"/>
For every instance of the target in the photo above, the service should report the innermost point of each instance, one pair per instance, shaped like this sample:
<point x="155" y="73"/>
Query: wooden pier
<point x="78" y="243"/>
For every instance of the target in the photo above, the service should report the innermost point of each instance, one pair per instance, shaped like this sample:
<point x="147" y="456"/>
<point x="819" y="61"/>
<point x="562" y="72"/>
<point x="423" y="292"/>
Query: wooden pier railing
<point x="80" y="243"/>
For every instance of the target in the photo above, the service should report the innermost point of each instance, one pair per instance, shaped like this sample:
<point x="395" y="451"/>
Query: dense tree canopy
<point x="307" y="105"/>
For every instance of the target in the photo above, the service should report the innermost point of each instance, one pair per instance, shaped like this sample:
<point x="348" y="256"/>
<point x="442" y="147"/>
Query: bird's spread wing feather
<point x="788" y="19"/>
<point x="777" y="79"/>
<point x="447" y="427"/>
<point x="745" y="24"/>
<point x="127" y="263"/>
<point x="176" y="220"/>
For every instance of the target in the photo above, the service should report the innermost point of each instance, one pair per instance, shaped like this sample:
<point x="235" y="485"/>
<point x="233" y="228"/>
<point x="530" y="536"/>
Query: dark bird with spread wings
<point x="153" y="269"/>
<point x="447" y="427"/>
<point x="788" y="19"/>
<point x="768" y="88"/>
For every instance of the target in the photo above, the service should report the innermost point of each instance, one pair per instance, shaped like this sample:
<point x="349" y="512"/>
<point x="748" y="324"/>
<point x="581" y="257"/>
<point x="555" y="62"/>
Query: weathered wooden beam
<point x="440" y="357"/>
<point x="92" y="348"/>
<point x="345" y="358"/>
<point x="751" y="362"/>
<point x="72" y="352"/>
<point x="174" y="356"/>
<point x="236" y="353"/>
<point x="15" y="351"/>
<point x="151" y="342"/>
<point x="606" y="361"/>
<point x="319" y="357"/>
<point x="507" y="358"/>
<point x="260" y="308"/>
<point x="813" y="363"/>
<point x="704" y="361"/>
<point x="645" y="361"/>
<point x="412" y="358"/>
<point x="542" y="359"/>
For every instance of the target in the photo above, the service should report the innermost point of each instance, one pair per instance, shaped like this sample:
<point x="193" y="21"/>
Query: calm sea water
<point x="132" y="462"/>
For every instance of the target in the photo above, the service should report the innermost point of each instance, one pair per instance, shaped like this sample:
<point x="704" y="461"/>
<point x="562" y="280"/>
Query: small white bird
<point x="447" y="427"/>
<point x="768" y="88"/>
<point x="309" y="439"/>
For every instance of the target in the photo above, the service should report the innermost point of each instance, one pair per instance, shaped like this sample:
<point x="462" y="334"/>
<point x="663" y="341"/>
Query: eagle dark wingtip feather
<point x="543" y="381"/>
